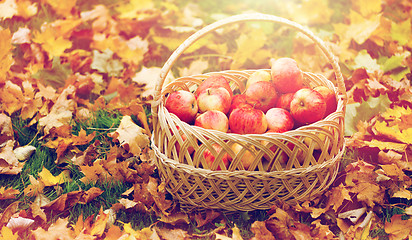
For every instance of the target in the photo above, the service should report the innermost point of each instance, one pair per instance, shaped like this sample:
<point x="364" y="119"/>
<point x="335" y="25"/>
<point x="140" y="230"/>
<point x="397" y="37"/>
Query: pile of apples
<point x="274" y="101"/>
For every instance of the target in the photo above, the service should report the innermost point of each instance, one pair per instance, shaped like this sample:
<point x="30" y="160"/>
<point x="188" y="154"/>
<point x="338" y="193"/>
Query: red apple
<point x="214" y="99"/>
<point x="286" y="75"/>
<point x="265" y="93"/>
<point x="214" y="81"/>
<point x="242" y="100"/>
<point x="183" y="104"/>
<point x="248" y="154"/>
<point x="257" y="76"/>
<point x="247" y="120"/>
<point x="213" y="119"/>
<point x="279" y="120"/>
<point x="329" y="97"/>
<point x="307" y="106"/>
<point x="210" y="158"/>
<point x="284" y="101"/>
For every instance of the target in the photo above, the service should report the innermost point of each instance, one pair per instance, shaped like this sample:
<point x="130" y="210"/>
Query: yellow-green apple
<point x="183" y="104"/>
<point x="214" y="81"/>
<point x="286" y="75"/>
<point x="284" y="101"/>
<point x="329" y="97"/>
<point x="265" y="93"/>
<point x="257" y="76"/>
<point x="248" y="154"/>
<point x="307" y="106"/>
<point x="213" y="119"/>
<point x="210" y="157"/>
<point x="216" y="98"/>
<point x="242" y="100"/>
<point x="279" y="120"/>
<point x="247" y="120"/>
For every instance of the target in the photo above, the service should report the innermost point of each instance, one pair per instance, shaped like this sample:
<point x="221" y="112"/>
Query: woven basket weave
<point x="314" y="151"/>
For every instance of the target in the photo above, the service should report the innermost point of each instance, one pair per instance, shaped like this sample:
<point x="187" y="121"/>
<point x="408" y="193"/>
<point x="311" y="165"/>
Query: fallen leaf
<point x="8" y="9"/>
<point x="398" y="228"/>
<point x="11" y="97"/>
<point x="148" y="78"/>
<point x="50" y="180"/>
<point x="131" y="136"/>
<point x="62" y="111"/>
<point x="6" y="55"/>
<point x="7" y="233"/>
<point x="8" y="213"/>
<point x="57" y="230"/>
<point x="7" y="155"/>
<point x="8" y="193"/>
<point x="6" y="129"/>
<point x="260" y="231"/>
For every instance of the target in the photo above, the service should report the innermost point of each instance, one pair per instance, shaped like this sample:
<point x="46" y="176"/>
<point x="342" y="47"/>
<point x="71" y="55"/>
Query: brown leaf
<point x="35" y="188"/>
<point x="204" y="218"/>
<point x="36" y="211"/>
<point x="131" y="136"/>
<point x="90" y="194"/>
<point x="57" y="230"/>
<point x="175" y="234"/>
<point x="8" y="193"/>
<point x="7" y="213"/>
<point x="6" y="128"/>
<point x="261" y="232"/>
<point x="62" y="111"/>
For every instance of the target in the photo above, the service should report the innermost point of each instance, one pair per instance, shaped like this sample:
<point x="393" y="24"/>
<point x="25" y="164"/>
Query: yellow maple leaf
<point x="53" y="43"/>
<point x="99" y="225"/>
<point x="50" y="180"/>
<point x="6" y="55"/>
<point x="367" y="7"/>
<point x="26" y="9"/>
<point x="247" y="46"/>
<point x="7" y="234"/>
<point x="129" y="10"/>
<point x="393" y="132"/>
<point x="62" y="7"/>
<point x="359" y="29"/>
<point x="317" y="15"/>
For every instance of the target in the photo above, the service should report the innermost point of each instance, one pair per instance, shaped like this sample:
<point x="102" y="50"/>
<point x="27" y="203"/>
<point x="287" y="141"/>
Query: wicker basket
<point x="314" y="151"/>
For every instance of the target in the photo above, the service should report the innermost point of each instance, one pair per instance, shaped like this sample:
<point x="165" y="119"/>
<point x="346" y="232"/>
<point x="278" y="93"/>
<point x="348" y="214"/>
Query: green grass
<point x="102" y="122"/>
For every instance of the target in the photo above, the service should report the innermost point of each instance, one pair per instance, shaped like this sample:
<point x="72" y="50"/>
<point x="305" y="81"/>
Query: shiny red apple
<point x="183" y="104"/>
<point x="329" y="97"/>
<point x="279" y="120"/>
<point x="307" y="106"/>
<point x="286" y="75"/>
<point x="214" y="81"/>
<point x="247" y="120"/>
<point x="216" y="98"/>
<point x="284" y="101"/>
<point x="242" y="100"/>
<point x="265" y="93"/>
<point x="213" y="119"/>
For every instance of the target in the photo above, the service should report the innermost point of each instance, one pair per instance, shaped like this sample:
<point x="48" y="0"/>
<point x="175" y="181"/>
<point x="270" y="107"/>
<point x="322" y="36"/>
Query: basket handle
<point x="242" y="18"/>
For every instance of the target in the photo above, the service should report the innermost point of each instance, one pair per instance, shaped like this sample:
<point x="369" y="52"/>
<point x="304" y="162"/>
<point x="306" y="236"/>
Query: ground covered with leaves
<point x="76" y="83"/>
